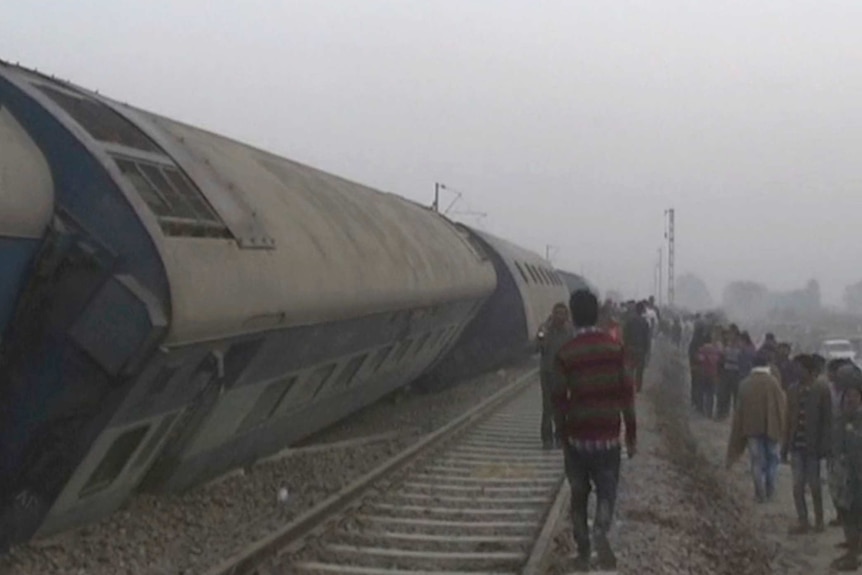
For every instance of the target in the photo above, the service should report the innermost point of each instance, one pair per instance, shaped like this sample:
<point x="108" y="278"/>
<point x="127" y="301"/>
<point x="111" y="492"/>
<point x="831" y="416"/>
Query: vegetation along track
<point x="476" y="496"/>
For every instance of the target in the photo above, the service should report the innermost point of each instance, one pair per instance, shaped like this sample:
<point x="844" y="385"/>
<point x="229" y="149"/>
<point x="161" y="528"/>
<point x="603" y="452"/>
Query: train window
<point x="191" y="196"/>
<point x="179" y="206"/>
<point x="150" y="446"/>
<point x="322" y="375"/>
<point x="542" y="275"/>
<point x="100" y="121"/>
<point x="450" y="333"/>
<point x="306" y="390"/>
<point x="157" y="202"/>
<point x="285" y="389"/>
<point x="521" y="270"/>
<point x="346" y="375"/>
<point x="421" y="343"/>
<point x="114" y="461"/>
<point x="267" y="403"/>
<point x="402" y="350"/>
<point x="438" y="336"/>
<point x="238" y="357"/>
<point x="378" y="359"/>
<point x="533" y="273"/>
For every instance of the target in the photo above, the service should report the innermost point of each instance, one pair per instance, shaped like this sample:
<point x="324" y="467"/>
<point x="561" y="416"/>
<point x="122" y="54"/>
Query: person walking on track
<point x="758" y="424"/>
<point x="597" y="396"/>
<point x="637" y="337"/>
<point x="556" y="331"/>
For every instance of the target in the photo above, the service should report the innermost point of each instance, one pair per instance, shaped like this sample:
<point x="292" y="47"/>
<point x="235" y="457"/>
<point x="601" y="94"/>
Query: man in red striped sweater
<point x="598" y="395"/>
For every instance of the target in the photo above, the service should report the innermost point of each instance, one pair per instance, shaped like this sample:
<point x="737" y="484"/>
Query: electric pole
<point x="436" y="205"/>
<point x="670" y="234"/>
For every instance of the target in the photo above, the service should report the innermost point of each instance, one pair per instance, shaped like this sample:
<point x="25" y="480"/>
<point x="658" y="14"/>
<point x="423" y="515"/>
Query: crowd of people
<point x="798" y="409"/>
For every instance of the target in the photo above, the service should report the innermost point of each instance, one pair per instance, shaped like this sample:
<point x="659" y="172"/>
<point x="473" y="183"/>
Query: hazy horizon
<point x="574" y="125"/>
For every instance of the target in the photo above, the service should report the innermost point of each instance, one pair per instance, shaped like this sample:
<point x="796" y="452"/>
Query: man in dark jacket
<point x="698" y="338"/>
<point x="808" y="438"/>
<point x="637" y="338"/>
<point x="555" y="332"/>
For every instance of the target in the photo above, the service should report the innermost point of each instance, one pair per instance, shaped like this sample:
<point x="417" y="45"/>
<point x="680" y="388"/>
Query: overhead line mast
<point x="670" y="234"/>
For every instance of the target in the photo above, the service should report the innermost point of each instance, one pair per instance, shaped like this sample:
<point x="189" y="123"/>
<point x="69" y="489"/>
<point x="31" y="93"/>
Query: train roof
<point x="576" y="282"/>
<point x="269" y="242"/>
<point x="540" y="287"/>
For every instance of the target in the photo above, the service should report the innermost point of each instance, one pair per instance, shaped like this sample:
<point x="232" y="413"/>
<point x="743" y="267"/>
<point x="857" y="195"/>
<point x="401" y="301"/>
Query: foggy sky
<point x="570" y="123"/>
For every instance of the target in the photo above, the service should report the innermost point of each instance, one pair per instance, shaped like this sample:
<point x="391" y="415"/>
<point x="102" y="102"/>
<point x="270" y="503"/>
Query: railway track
<point x="478" y="496"/>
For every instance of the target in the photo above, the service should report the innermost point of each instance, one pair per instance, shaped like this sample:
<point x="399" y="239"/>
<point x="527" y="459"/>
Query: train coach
<point x="575" y="282"/>
<point x="506" y="326"/>
<point x="174" y="304"/>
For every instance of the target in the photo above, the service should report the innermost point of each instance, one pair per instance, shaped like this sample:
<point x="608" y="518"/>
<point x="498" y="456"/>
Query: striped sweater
<point x="598" y="391"/>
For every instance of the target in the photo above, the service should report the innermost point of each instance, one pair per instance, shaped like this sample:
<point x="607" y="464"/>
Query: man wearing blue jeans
<point x="759" y="424"/>
<point x="595" y="400"/>
<point x="764" y="454"/>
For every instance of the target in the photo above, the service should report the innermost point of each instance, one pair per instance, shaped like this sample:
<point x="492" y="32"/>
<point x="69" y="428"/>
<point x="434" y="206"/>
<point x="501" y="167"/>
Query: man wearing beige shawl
<point x="759" y="424"/>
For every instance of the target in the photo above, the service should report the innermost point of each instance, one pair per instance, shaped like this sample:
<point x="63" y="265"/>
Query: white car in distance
<point x="837" y="349"/>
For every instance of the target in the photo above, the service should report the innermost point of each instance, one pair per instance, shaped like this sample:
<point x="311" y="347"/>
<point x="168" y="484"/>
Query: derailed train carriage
<point x="174" y="304"/>
<point x="507" y="323"/>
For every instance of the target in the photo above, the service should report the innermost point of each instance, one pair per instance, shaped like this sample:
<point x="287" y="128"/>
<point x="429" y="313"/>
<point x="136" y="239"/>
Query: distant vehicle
<point x="837" y="349"/>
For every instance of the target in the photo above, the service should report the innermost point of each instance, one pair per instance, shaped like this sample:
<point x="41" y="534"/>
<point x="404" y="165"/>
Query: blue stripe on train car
<point x="15" y="256"/>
